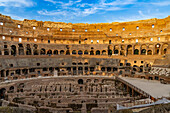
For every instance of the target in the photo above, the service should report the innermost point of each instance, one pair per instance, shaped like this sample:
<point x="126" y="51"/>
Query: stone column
<point x="9" y="51"/>
<point x="160" y="50"/>
<point x="2" y="52"/>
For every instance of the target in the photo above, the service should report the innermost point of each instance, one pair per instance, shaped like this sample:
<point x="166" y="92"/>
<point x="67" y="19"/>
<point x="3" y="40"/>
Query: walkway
<point x="151" y="87"/>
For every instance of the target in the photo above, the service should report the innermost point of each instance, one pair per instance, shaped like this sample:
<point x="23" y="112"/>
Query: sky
<point x="85" y="11"/>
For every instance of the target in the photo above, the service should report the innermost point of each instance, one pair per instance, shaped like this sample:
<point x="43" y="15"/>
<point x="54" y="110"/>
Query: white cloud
<point x="76" y="8"/>
<point x="16" y="3"/>
<point x="52" y="1"/>
<point x="162" y="3"/>
<point x="52" y="13"/>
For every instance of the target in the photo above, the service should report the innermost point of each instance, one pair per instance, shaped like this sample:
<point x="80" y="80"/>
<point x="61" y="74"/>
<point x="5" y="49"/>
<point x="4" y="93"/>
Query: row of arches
<point x="129" y="50"/>
<point x="80" y="52"/>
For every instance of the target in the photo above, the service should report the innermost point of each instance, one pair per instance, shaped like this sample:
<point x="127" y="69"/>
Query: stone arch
<point x="164" y="48"/>
<point x="116" y="49"/>
<point x="55" y="52"/>
<point x="67" y="52"/>
<point x="143" y="52"/>
<point x="109" y="69"/>
<point x="11" y="89"/>
<point x="135" y="68"/>
<point x="110" y="50"/>
<point x="136" y="52"/>
<point x="62" y="52"/>
<point x="80" y="63"/>
<point x="36" y="52"/>
<point x="80" y="81"/>
<point x="20" y="49"/>
<point x="20" y="87"/>
<point x="91" y="52"/>
<point x="42" y="51"/>
<point x="80" y="52"/>
<point x="13" y="50"/>
<point x="6" y="52"/>
<point x="86" y="52"/>
<point x="2" y="93"/>
<point x="74" y="52"/>
<point x="49" y="52"/>
<point x="104" y="52"/>
<point x="103" y="69"/>
<point x="149" y="52"/>
<point x="129" y="50"/>
<point x="97" y="52"/>
<point x="28" y="51"/>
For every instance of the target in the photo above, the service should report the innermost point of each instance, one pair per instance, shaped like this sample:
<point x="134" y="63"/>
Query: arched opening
<point x="129" y="50"/>
<point x="35" y="49"/>
<point x="97" y="52"/>
<point x="86" y="63"/>
<point x="122" y="52"/>
<point x="91" y="52"/>
<point x="115" y="69"/>
<point x="36" y="52"/>
<point x="141" y="69"/>
<point x="55" y="52"/>
<point x="2" y="93"/>
<point x="6" y="52"/>
<point x="128" y="64"/>
<point x="116" y="51"/>
<point x="0" y="52"/>
<point x="86" y="52"/>
<point x="136" y="52"/>
<point x="67" y="52"/>
<point x="108" y="69"/>
<point x="80" y="70"/>
<point x="110" y="50"/>
<point x="80" y="81"/>
<point x="21" y="49"/>
<point x="149" y="52"/>
<point x="74" y="52"/>
<point x="20" y="87"/>
<point x="43" y="51"/>
<point x="80" y="63"/>
<point x="91" y="69"/>
<point x="164" y="51"/>
<point x="28" y="51"/>
<point x="62" y="52"/>
<point x="157" y="49"/>
<point x="49" y="52"/>
<point x="143" y="52"/>
<point x="104" y="52"/>
<point x="80" y="52"/>
<point x="164" y="48"/>
<point x="13" y="50"/>
<point x="135" y="68"/>
<point x="11" y="89"/>
<point x="73" y="63"/>
<point x="103" y="68"/>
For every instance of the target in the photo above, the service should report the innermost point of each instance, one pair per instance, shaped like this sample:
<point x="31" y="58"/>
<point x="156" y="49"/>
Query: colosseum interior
<point x="57" y="67"/>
